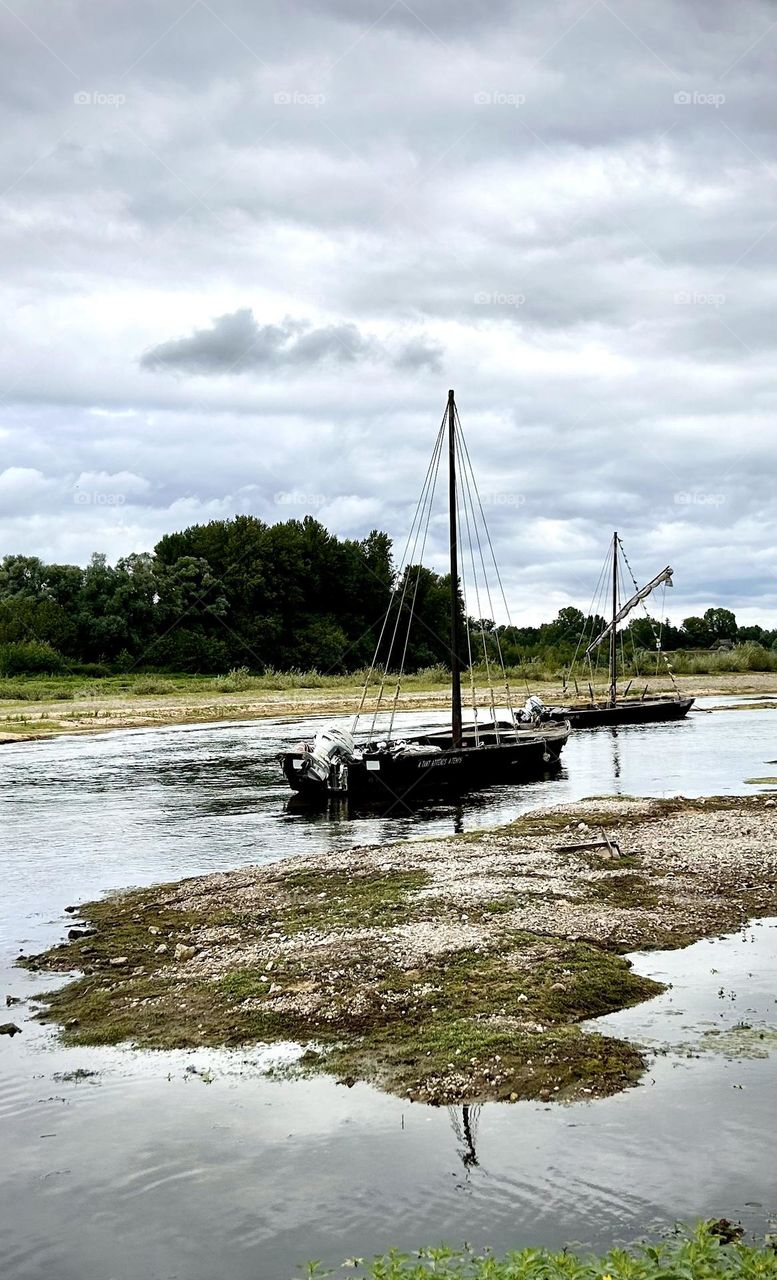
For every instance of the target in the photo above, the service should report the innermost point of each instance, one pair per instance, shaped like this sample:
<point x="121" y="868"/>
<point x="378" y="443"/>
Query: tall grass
<point x="86" y="685"/>
<point x="240" y="680"/>
<point x="746" y="657"/>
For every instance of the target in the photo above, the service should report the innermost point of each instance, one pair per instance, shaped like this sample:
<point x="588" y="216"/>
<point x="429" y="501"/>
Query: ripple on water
<point x="153" y="1171"/>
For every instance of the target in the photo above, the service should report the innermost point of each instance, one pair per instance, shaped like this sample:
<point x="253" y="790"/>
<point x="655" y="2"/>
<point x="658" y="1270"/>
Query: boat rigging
<point x="611" y="709"/>
<point x="384" y="767"/>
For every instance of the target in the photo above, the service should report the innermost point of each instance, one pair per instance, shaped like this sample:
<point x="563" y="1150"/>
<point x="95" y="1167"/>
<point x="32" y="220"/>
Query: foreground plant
<point x="712" y="1251"/>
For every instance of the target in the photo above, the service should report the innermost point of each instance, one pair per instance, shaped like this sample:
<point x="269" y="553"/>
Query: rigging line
<point x="412" y="605"/>
<point x="656" y="635"/>
<point x="660" y="636"/>
<point x="428" y="503"/>
<point x="496" y="567"/>
<point x="482" y="629"/>
<point x="604" y="605"/>
<point x="592" y="610"/>
<point x="427" y="495"/>
<point x="468" y="634"/>
<point x="622" y="637"/>
<point x="485" y="526"/>
<point x="467" y="491"/>
<point x="493" y="557"/>
<point x="468" y="474"/>
<point x="395" y="588"/>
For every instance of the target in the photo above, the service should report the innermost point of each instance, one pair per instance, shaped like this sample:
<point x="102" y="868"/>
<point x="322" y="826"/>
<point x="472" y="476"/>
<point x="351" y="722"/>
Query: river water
<point x="197" y="1165"/>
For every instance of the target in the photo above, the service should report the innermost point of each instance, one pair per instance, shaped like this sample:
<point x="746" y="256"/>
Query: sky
<point x="247" y="248"/>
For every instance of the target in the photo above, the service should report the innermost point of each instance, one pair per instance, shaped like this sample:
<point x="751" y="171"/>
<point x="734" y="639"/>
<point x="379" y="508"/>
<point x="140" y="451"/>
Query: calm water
<point x="149" y="1169"/>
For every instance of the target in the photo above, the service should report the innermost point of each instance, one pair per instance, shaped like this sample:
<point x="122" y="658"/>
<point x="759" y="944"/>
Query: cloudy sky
<point x="247" y="247"/>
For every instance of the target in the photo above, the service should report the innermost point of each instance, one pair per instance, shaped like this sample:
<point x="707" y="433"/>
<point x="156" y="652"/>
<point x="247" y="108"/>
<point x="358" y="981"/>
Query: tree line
<point x="287" y="596"/>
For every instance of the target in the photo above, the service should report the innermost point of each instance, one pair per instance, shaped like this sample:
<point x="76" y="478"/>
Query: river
<point x="197" y="1165"/>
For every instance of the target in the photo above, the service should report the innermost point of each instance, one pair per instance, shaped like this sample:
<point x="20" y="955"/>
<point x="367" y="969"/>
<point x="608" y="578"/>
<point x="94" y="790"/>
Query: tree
<point x="722" y="624"/>
<point x="696" y="633"/>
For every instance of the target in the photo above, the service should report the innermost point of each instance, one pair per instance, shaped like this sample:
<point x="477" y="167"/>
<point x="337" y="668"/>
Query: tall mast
<point x="613" y="633"/>
<point x="454" y="570"/>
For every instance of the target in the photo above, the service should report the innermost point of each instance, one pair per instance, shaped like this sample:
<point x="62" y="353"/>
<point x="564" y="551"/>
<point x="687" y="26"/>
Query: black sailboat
<point x="390" y="769"/>
<point x="612" y="709"/>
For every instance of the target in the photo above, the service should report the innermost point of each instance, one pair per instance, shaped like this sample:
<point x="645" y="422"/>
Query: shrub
<point x="235" y="681"/>
<point x="30" y="657"/>
<point x="152" y="684"/>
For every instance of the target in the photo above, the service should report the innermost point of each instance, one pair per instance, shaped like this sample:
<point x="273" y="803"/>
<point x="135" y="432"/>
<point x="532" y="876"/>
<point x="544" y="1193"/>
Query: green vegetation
<point x="70" y="687"/>
<point x="489" y="1021"/>
<point x="336" y="900"/>
<point x="713" y="1251"/>
<point x="448" y="970"/>
<point x="240" y="598"/>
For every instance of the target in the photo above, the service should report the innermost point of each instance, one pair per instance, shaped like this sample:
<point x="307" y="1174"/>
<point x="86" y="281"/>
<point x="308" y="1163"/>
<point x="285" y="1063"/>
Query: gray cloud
<point x="235" y="343"/>
<point x="566" y="212"/>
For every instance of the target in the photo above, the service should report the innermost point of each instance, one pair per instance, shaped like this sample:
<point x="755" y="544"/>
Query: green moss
<point x="326" y="900"/>
<point x="629" y="890"/>
<point x="474" y="1023"/>
<point x="308" y="954"/>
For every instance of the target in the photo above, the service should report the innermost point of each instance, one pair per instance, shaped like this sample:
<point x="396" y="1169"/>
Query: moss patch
<point x="320" y="899"/>
<point x="444" y="970"/>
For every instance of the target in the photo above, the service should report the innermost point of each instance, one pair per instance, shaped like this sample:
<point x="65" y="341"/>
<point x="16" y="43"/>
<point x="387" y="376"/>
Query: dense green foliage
<point x="243" y="594"/>
<point x="232" y="593"/>
<point x="712" y="1252"/>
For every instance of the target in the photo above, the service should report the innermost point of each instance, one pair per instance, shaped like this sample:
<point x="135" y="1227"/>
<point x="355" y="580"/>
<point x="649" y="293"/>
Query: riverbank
<point x="442" y="970"/>
<point x="101" y="706"/>
<point x="714" y="1251"/>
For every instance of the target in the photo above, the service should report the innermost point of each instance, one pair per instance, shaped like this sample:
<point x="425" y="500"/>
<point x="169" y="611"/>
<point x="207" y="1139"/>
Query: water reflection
<point x="465" y="1127"/>
<point x="247" y="1176"/>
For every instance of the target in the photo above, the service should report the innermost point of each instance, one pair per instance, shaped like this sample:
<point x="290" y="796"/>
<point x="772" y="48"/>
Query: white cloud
<point x="591" y="268"/>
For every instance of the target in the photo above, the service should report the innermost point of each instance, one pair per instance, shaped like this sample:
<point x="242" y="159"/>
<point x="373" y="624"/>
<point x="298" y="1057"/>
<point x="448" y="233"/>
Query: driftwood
<point x="611" y="846"/>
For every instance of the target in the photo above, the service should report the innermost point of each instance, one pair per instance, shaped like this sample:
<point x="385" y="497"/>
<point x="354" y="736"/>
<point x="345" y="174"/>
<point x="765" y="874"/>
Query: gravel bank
<point x="443" y="969"/>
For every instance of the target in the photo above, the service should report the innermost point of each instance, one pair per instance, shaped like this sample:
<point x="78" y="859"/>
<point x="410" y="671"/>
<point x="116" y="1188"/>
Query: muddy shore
<point x="24" y="721"/>
<point x="442" y="970"/>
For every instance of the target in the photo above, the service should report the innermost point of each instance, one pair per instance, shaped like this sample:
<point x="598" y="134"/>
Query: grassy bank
<point x="67" y="687"/>
<point x="712" y="1252"/>
<point x="441" y="970"/>
<point x="40" y="707"/>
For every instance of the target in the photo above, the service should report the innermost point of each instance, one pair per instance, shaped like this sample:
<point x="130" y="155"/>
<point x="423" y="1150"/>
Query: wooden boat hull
<point x="633" y="711"/>
<point x="390" y="780"/>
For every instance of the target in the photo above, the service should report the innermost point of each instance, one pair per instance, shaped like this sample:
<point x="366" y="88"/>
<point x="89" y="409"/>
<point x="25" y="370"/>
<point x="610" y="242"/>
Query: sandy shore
<point x="21" y="721"/>
<point x="443" y="970"/>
